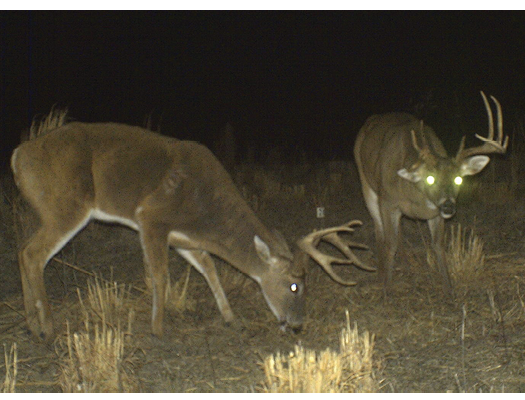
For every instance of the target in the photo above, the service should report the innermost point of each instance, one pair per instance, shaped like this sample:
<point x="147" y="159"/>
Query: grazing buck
<point x="174" y="193"/>
<point x="405" y="170"/>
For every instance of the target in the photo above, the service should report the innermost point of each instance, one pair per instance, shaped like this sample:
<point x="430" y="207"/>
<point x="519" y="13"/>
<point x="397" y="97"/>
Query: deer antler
<point x="424" y="152"/>
<point x="490" y="145"/>
<point x="309" y="245"/>
<point x="423" y="139"/>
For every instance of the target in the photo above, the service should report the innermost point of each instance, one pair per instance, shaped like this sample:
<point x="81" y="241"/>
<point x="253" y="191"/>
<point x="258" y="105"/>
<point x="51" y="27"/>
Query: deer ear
<point x="263" y="251"/>
<point x="284" y="250"/>
<point x="473" y="165"/>
<point x="412" y="176"/>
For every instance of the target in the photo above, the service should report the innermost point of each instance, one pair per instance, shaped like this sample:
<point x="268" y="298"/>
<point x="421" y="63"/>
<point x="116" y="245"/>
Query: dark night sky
<point x="279" y="78"/>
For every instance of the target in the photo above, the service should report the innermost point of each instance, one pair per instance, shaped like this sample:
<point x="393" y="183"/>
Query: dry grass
<point x="55" y="119"/>
<point x="465" y="257"/>
<point x="305" y="371"/>
<point x="108" y="303"/>
<point x="176" y="297"/>
<point x="95" y="361"/>
<point x="11" y="369"/>
<point x="148" y="123"/>
<point x="95" y="358"/>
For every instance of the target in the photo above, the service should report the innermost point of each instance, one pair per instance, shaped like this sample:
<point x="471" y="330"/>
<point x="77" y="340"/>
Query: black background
<point x="290" y="79"/>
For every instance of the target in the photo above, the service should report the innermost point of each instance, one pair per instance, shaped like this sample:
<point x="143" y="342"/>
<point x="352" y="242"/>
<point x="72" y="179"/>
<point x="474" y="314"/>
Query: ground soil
<point x="425" y="340"/>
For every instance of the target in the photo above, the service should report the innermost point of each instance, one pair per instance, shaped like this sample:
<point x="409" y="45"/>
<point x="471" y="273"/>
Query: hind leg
<point x="33" y="257"/>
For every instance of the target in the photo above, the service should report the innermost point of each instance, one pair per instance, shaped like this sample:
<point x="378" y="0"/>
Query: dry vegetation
<point x="349" y="370"/>
<point x="417" y="340"/>
<point x="96" y="358"/>
<point x="465" y="256"/>
<point x="11" y="369"/>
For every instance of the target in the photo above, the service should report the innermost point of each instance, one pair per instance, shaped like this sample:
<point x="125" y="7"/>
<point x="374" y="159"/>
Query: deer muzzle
<point x="447" y="208"/>
<point x="294" y="326"/>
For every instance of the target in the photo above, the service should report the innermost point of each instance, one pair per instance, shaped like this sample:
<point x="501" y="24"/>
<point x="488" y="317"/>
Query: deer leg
<point x="437" y="231"/>
<point x="33" y="257"/>
<point x="155" y="247"/>
<point x="390" y="217"/>
<point x="372" y="204"/>
<point x="203" y="262"/>
<point x="32" y="260"/>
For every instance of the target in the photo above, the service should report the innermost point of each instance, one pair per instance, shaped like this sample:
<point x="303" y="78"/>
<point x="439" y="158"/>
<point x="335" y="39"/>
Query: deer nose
<point x="448" y="208"/>
<point x="294" y="327"/>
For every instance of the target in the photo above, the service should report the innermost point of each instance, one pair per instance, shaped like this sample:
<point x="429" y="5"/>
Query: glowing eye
<point x="458" y="180"/>
<point x="294" y="288"/>
<point x="430" y="180"/>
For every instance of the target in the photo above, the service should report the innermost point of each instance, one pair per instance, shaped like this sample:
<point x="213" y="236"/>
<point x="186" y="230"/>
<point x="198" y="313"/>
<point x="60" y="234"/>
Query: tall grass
<point x="176" y="296"/>
<point x="465" y="257"/>
<point x="55" y="119"/>
<point x="95" y="358"/>
<point x="349" y="370"/>
<point x="107" y="303"/>
<point x="11" y="369"/>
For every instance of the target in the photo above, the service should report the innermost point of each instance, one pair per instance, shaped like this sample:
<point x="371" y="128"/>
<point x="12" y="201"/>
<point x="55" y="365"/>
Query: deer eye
<point x="430" y="180"/>
<point x="458" y="180"/>
<point x="294" y="287"/>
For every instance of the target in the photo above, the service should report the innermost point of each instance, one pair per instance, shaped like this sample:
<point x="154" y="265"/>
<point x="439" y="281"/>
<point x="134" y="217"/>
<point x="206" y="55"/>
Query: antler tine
<point x="490" y="145"/>
<point x="414" y="141"/>
<point x="424" y="152"/>
<point x="503" y="143"/>
<point x="423" y="136"/>
<point x="308" y="245"/>
<point x="338" y="243"/>
<point x="461" y="147"/>
<point x="489" y="116"/>
<point x="500" y="121"/>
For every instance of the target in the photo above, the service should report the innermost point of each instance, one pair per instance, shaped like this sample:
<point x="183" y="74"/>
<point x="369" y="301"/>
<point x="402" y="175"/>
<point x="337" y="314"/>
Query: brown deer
<point x="405" y="170"/>
<point x="174" y="193"/>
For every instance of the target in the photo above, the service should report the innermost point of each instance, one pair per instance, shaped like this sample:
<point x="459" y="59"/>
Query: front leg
<point x="391" y="218"/>
<point x="203" y="262"/>
<point x="437" y="231"/>
<point x="155" y="247"/>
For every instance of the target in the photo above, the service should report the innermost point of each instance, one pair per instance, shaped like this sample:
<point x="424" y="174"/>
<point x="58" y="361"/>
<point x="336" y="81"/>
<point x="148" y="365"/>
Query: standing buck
<point x="174" y="193"/>
<point x="405" y="170"/>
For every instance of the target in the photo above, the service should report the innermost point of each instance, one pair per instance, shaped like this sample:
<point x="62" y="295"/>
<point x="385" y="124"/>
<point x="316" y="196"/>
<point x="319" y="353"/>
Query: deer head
<point x="440" y="178"/>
